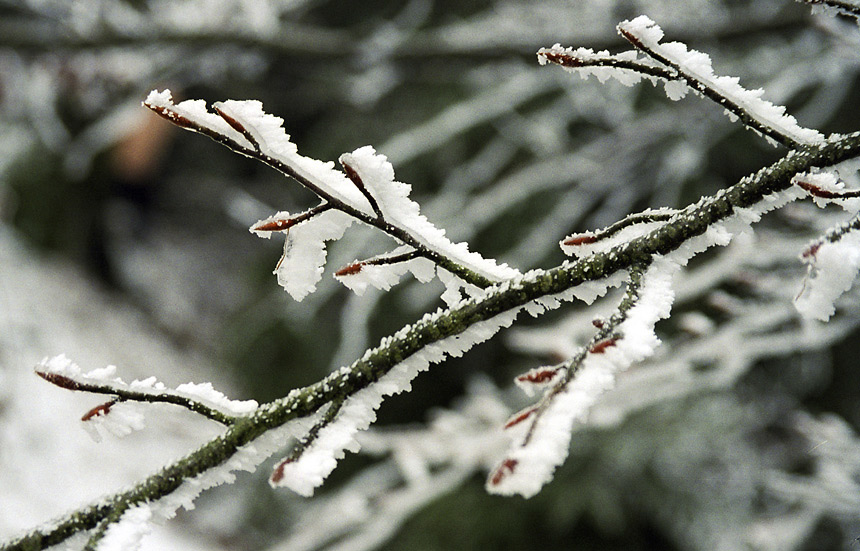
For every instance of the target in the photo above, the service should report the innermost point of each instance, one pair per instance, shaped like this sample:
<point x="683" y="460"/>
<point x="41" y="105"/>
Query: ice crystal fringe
<point x="537" y="452"/>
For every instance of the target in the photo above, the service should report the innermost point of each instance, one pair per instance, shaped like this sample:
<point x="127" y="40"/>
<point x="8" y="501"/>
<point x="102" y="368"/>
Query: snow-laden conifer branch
<point x="366" y="192"/>
<point x="389" y="367"/>
<point x="199" y="398"/>
<point x="683" y="69"/>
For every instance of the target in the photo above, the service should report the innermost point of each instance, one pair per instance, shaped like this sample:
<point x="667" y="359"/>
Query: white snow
<point x="208" y="395"/>
<point x="833" y="267"/>
<point x="301" y="267"/>
<point x="128" y="533"/>
<point x="695" y="64"/>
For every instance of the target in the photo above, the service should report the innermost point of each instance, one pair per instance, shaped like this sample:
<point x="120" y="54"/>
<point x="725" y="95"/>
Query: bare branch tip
<point x="59" y="380"/>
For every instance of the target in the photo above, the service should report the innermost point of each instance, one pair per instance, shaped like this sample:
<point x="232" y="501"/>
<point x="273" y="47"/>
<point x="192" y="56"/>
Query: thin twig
<point x="165" y="396"/>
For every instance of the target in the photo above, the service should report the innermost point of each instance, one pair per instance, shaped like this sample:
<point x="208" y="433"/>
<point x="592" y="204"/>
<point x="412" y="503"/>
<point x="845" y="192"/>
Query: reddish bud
<point x="581" y="239"/>
<point x="601" y="346"/>
<point x="507" y="467"/>
<point x="352" y="269"/>
<point x="816" y="191"/>
<point x="564" y="60"/>
<point x="278" y="473"/>
<point x="102" y="409"/>
<point x="275" y="225"/>
<point x="236" y="125"/>
<point x="597" y="322"/>
<point x="60" y="380"/>
<point x="811" y="251"/>
<point x="520" y="417"/>
<point x="538" y="377"/>
<point x="352" y="174"/>
<point x="172" y="116"/>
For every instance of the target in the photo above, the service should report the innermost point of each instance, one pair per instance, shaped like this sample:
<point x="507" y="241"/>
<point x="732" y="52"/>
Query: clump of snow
<point x="536" y="453"/>
<point x="206" y="394"/>
<point x="833" y="267"/>
<point x="120" y="420"/>
<point x="301" y="267"/>
<point x="127" y="534"/>
<point x="692" y="64"/>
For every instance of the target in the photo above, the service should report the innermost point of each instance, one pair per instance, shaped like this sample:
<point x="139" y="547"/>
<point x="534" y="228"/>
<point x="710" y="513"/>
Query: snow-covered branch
<point x="366" y="191"/>
<point x="199" y="398"/>
<point x="682" y="69"/>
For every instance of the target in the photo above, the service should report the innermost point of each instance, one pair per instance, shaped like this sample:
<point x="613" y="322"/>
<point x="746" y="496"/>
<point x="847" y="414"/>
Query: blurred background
<point x="124" y="241"/>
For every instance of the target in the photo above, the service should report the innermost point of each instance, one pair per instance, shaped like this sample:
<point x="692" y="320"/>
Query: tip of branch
<point x="60" y="380"/>
<point x="273" y="225"/>
<point x="518" y="418"/>
<point x="538" y="377"/>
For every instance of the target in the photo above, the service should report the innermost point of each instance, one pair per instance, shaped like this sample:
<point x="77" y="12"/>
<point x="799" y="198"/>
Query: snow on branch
<point x="366" y="191"/>
<point x="695" y="69"/>
<point x="683" y="69"/>
<point x="124" y="412"/>
<point x="542" y="432"/>
<point x="833" y="264"/>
